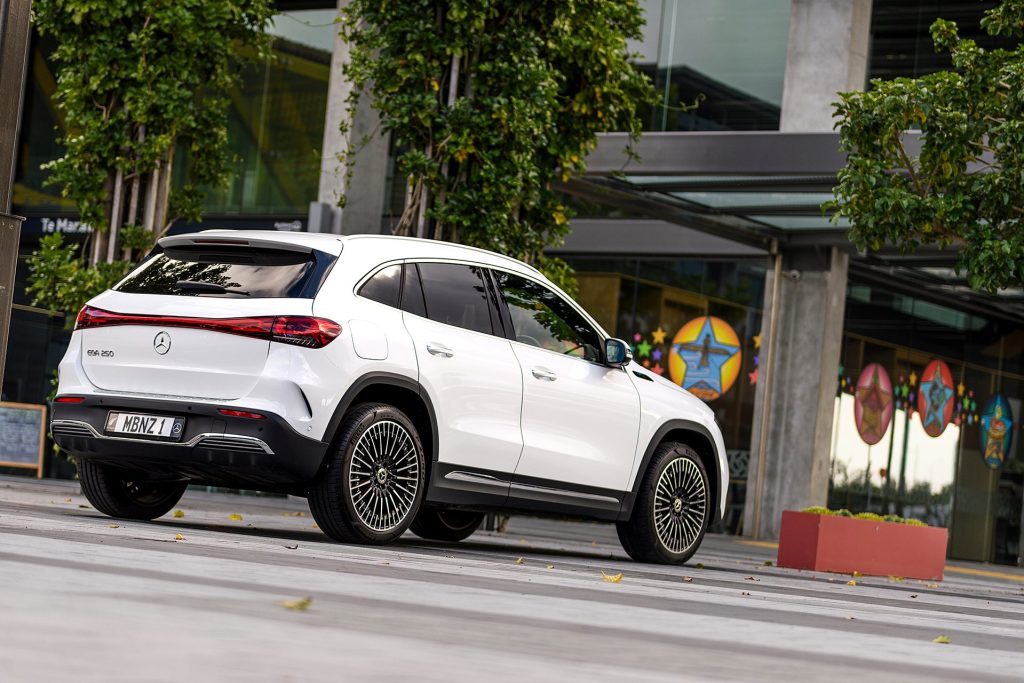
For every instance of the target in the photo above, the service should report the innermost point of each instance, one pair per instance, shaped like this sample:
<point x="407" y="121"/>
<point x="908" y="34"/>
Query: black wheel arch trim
<point x="659" y="436"/>
<point x="382" y="379"/>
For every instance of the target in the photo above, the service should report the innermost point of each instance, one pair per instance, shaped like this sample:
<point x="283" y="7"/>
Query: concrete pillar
<point x="14" y="31"/>
<point x="797" y="388"/>
<point x="828" y="53"/>
<point x="364" y="210"/>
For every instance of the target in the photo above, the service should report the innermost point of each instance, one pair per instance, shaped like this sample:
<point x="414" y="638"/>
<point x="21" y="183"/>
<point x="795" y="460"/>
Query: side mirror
<point x="617" y="353"/>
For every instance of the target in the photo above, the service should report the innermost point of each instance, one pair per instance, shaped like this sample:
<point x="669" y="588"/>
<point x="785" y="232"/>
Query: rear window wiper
<point x="208" y="287"/>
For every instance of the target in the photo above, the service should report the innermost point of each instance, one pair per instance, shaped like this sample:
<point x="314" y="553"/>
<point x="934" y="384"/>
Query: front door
<point x="580" y="418"/>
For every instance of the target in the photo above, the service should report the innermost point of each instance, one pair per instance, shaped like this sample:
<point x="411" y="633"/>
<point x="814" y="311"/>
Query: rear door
<point x="469" y="371"/>
<point x="173" y="355"/>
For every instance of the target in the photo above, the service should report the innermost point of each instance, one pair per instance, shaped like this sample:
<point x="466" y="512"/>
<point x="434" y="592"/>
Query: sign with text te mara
<point x="22" y="435"/>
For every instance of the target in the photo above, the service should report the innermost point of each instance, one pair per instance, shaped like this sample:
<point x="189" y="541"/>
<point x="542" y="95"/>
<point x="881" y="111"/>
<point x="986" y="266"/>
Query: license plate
<point x="145" y="426"/>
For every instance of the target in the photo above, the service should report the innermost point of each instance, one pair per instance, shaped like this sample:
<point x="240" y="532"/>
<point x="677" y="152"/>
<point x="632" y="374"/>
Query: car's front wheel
<point x="672" y="509"/>
<point x="372" y="484"/>
<point x="125" y="494"/>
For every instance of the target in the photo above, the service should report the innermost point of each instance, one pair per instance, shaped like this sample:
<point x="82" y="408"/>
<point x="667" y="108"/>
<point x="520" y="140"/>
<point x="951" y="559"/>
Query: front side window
<point x="543" y="319"/>
<point x="455" y="294"/>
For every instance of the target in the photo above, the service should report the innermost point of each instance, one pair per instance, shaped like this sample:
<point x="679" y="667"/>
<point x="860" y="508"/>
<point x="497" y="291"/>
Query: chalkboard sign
<point x="22" y="435"/>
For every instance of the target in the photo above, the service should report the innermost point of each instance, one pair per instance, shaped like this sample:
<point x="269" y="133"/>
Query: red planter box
<point x="844" y="545"/>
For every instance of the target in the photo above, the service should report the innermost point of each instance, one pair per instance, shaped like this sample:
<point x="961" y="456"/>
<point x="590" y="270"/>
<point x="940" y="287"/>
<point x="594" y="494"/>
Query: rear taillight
<point x="301" y="330"/>
<point x="69" y="399"/>
<point x="305" y="331"/>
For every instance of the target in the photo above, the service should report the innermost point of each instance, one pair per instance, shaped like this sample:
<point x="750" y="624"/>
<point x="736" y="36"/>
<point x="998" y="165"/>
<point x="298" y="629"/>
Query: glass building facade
<point x="728" y="56"/>
<point x="275" y="131"/>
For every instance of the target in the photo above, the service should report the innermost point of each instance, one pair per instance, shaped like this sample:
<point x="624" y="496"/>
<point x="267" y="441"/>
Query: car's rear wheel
<point x="373" y="481"/>
<point x="126" y="494"/>
<point x="672" y="509"/>
<point x="438" y="524"/>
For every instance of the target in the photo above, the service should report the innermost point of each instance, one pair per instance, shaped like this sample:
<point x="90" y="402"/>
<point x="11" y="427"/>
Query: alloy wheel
<point x="680" y="505"/>
<point x="383" y="475"/>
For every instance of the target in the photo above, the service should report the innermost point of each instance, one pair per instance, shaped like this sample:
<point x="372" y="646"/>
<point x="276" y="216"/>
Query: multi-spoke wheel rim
<point x="680" y="505"/>
<point x="383" y="477"/>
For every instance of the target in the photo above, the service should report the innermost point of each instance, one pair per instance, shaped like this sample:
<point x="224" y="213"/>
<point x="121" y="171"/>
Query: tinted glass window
<point x="383" y="287"/>
<point x="456" y="295"/>
<point x="412" y="292"/>
<point x="541" y="318"/>
<point x="225" y="272"/>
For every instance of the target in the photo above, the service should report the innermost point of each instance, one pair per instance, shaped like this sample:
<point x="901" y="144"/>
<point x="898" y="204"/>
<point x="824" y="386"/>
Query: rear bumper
<point x="214" y="449"/>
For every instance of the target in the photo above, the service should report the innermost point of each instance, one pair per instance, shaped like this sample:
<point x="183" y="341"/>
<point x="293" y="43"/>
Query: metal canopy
<point x="758" y="187"/>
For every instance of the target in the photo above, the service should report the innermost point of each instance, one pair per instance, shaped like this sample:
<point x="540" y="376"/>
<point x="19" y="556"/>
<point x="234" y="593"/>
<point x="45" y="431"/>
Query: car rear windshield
<point x="229" y="272"/>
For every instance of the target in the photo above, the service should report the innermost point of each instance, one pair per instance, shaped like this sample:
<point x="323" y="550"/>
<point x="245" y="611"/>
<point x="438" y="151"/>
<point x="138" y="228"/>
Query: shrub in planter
<point x="838" y="541"/>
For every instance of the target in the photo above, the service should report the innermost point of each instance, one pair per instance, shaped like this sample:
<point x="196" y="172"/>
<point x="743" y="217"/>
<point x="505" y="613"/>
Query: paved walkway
<point x="86" y="598"/>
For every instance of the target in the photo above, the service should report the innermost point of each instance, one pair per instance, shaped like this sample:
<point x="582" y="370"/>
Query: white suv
<point x="398" y="383"/>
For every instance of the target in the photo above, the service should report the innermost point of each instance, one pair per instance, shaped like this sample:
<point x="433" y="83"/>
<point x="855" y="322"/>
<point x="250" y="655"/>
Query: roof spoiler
<point x="226" y="240"/>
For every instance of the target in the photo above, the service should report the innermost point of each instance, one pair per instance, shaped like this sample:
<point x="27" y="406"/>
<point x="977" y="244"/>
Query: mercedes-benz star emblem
<point x="162" y="343"/>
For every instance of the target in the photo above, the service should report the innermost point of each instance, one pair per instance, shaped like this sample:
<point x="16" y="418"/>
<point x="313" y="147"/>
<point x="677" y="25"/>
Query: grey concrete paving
<point x="84" y="597"/>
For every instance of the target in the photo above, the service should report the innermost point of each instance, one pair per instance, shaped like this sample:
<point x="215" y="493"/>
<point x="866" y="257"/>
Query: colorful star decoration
<point x="657" y="369"/>
<point x="656" y="354"/>
<point x="643" y="349"/>
<point x="658" y="336"/>
<point x="913" y="378"/>
<point x="757" y="340"/>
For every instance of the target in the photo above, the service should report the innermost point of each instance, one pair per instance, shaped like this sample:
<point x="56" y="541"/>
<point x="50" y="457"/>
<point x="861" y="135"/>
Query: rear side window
<point x="456" y="295"/>
<point x="384" y="286"/>
<point x="228" y="272"/>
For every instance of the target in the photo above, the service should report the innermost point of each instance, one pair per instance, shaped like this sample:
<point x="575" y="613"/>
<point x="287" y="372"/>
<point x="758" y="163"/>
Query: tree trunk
<point x="160" y="222"/>
<point x="149" y="212"/>
<point x="116" y="211"/>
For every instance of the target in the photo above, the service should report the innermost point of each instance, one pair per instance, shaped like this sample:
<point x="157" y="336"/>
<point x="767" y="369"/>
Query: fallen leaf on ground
<point x="178" y="514"/>
<point x="551" y="566"/>
<point x="314" y="526"/>
<point x="769" y="563"/>
<point x="294" y="513"/>
<point x="851" y="582"/>
<point x="752" y="578"/>
<point x="522" y="540"/>
<point x="933" y="585"/>
<point x="114" y="526"/>
<point x="67" y="500"/>
<point x="235" y="517"/>
<point x="593" y="544"/>
<point x="914" y="595"/>
<point x="179" y="537"/>
<point x="292" y="547"/>
<point x="941" y="640"/>
<point x="688" y="579"/>
<point x="897" y="579"/>
<point x="857" y="574"/>
<point x="699" y="566"/>
<point x="519" y="560"/>
<point x="298" y="604"/>
<point x="612" y="578"/>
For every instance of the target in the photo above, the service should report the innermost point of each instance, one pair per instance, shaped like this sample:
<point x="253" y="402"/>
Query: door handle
<point x="441" y="350"/>
<point x="544" y="374"/>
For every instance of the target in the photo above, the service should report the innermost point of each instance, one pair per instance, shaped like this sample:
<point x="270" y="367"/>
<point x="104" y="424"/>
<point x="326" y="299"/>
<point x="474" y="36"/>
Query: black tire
<point x="338" y="497"/>
<point x="439" y="524"/>
<point x="683" y="508"/>
<point x="124" y="494"/>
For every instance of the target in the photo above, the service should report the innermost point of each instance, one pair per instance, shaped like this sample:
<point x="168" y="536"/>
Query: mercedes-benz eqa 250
<point x="397" y="383"/>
